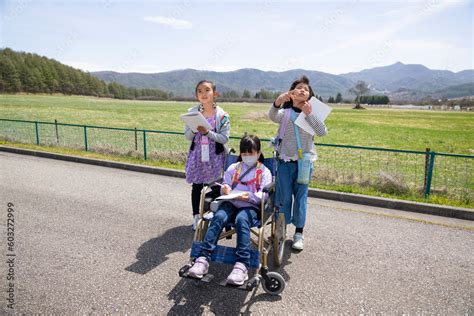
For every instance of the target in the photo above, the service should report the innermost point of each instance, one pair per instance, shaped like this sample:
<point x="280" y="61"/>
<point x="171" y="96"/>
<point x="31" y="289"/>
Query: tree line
<point x="260" y="95"/>
<point x="26" y="72"/>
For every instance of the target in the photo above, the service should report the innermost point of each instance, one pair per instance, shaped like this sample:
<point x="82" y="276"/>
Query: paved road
<point x="91" y="239"/>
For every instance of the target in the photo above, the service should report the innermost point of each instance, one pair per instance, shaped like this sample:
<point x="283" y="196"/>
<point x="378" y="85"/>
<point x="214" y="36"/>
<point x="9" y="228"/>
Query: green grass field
<point x="373" y="172"/>
<point x="450" y="132"/>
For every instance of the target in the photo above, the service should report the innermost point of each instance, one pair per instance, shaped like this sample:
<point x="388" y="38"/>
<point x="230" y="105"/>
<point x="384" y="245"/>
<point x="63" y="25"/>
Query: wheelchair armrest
<point x="268" y="188"/>
<point x="214" y="192"/>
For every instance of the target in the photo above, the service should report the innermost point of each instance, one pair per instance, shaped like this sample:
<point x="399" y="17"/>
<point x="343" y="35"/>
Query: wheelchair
<point x="267" y="235"/>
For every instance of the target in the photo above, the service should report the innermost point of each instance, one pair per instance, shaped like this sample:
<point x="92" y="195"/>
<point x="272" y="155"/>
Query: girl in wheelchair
<point x="250" y="175"/>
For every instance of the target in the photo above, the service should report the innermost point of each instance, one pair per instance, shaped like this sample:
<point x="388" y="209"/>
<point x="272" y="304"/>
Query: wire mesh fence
<point x="390" y="172"/>
<point x="453" y="176"/>
<point x="396" y="172"/>
<point x="168" y="147"/>
<point x="61" y="136"/>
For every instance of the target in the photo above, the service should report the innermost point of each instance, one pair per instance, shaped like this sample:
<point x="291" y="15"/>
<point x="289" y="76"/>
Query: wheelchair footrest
<point x="247" y="286"/>
<point x="206" y="278"/>
<point x="242" y="287"/>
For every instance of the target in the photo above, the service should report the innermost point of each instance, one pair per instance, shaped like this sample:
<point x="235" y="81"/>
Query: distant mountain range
<point x="399" y="81"/>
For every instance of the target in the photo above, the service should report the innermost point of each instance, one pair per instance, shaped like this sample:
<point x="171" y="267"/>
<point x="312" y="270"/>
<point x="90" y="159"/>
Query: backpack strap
<point x="257" y="180"/>
<point x="236" y="175"/>
<point x="221" y="118"/>
<point x="297" y="135"/>
<point x="283" y="126"/>
<point x="258" y="176"/>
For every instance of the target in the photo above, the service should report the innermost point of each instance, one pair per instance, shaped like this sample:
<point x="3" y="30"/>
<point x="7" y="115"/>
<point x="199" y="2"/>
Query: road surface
<point x="91" y="239"/>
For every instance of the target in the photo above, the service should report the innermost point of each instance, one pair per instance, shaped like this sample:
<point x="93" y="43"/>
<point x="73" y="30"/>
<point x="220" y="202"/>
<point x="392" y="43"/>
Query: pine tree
<point x="9" y="75"/>
<point x="37" y="80"/>
<point x="2" y="83"/>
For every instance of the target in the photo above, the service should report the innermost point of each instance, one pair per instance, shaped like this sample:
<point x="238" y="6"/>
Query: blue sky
<point x="155" y="36"/>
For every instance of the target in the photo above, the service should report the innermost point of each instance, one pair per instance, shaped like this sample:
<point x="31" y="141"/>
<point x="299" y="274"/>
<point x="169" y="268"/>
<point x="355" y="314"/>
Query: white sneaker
<point x="200" y="268"/>
<point x="195" y="221"/>
<point x="298" y="241"/>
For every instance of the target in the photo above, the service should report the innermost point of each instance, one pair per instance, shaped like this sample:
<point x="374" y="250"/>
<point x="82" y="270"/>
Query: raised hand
<point x="284" y="97"/>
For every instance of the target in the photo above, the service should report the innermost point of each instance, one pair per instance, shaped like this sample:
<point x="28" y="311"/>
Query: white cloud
<point x="170" y="22"/>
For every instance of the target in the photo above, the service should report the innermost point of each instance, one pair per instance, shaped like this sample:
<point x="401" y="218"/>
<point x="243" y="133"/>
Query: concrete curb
<point x="96" y="162"/>
<point x="402" y="205"/>
<point x="425" y="208"/>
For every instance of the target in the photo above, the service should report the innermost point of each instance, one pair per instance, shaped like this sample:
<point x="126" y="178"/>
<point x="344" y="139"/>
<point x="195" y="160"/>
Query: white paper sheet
<point x="319" y="109"/>
<point x="195" y="119"/>
<point x="232" y="195"/>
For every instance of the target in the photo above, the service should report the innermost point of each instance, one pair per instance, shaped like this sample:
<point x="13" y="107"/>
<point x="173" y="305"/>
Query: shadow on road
<point x="155" y="251"/>
<point x="193" y="297"/>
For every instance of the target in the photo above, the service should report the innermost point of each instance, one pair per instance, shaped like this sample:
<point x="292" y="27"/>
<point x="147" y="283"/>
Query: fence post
<point x="85" y="137"/>
<point x="429" y="173"/>
<point x="427" y="162"/>
<point x="144" y="144"/>
<point x="57" y="134"/>
<point x="136" y="140"/>
<point x="37" y="134"/>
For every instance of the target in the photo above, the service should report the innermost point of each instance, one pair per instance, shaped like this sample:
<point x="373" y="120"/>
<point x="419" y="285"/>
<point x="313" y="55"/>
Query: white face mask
<point x="250" y="160"/>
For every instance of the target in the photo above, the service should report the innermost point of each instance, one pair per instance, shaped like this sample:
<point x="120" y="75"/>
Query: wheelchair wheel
<point x="276" y="284"/>
<point x="279" y="236"/>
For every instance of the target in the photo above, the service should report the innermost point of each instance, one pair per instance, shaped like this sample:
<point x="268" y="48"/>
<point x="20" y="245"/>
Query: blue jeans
<point x="286" y="188"/>
<point x="226" y="214"/>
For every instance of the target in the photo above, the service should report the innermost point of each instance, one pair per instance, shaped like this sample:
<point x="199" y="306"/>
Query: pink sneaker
<point x="238" y="275"/>
<point x="199" y="268"/>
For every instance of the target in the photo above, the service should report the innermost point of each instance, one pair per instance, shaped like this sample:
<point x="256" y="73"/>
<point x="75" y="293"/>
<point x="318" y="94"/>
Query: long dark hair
<point x="249" y="144"/>
<point x="302" y="79"/>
